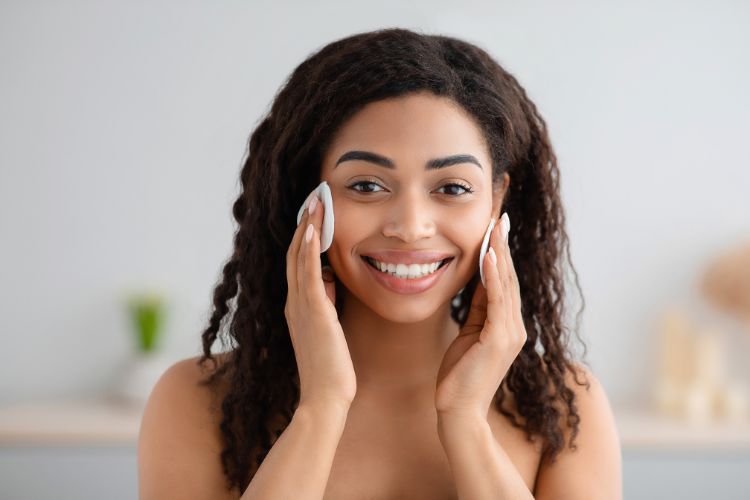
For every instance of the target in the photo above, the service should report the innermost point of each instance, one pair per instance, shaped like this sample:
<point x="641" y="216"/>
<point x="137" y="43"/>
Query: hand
<point x="479" y="358"/>
<point x="325" y="366"/>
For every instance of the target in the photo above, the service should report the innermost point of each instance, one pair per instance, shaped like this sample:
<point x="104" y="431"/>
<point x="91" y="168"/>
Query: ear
<point x="499" y="191"/>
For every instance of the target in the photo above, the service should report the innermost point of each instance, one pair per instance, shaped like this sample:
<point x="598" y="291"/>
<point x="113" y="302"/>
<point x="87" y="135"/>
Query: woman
<point x="462" y="389"/>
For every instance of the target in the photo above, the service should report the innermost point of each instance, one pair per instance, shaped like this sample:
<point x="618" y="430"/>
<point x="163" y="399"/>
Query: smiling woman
<point x="382" y="367"/>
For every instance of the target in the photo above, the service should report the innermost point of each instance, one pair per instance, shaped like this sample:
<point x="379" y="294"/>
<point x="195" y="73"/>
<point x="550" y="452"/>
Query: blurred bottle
<point x="693" y="383"/>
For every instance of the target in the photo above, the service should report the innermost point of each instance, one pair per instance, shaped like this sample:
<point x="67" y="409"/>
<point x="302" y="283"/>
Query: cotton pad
<point x="485" y="247"/>
<point x="323" y="191"/>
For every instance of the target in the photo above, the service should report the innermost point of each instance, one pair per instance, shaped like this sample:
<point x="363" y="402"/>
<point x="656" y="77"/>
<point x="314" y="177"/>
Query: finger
<point x="500" y="246"/>
<point x="495" y="293"/>
<point x="511" y="279"/>
<point x="513" y="325"/>
<point x="293" y="251"/>
<point x="312" y="272"/>
<point x="312" y="266"/>
<point x="477" y="313"/>
<point x="513" y="289"/>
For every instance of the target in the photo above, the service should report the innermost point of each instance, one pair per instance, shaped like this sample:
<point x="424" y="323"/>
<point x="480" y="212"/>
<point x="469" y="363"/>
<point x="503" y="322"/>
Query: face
<point x="389" y="205"/>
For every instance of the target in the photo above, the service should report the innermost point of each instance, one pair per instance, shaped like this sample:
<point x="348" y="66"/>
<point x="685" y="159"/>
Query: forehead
<point x="416" y="128"/>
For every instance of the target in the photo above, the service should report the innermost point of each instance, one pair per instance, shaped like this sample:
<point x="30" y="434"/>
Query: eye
<point x="455" y="185"/>
<point x="365" y="183"/>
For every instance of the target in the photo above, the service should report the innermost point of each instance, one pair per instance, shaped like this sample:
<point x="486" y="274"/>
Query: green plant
<point x="147" y="314"/>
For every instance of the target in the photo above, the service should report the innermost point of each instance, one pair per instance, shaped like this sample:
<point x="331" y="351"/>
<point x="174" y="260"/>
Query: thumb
<point x="477" y="310"/>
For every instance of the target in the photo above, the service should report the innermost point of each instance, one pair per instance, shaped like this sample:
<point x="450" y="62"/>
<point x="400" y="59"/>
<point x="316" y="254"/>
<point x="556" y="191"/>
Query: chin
<point x="407" y="313"/>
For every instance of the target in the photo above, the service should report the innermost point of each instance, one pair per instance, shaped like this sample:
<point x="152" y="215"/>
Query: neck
<point x="396" y="363"/>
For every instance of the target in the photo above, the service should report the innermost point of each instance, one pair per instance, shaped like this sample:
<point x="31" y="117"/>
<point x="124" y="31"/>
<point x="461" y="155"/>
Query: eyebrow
<point x="382" y="161"/>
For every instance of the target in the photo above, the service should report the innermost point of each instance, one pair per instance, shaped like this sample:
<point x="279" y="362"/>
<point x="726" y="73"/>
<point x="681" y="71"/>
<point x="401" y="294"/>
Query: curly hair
<point x="283" y="166"/>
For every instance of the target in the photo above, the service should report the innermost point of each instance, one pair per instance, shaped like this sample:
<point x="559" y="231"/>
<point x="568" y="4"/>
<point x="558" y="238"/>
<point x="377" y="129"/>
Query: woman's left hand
<point x="479" y="358"/>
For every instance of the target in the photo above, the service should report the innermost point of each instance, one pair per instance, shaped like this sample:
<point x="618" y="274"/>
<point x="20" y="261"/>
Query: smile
<point x="407" y="279"/>
<point x="406" y="271"/>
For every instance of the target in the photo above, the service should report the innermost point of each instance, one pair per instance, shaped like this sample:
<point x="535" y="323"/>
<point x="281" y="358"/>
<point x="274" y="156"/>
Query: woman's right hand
<point x="325" y="366"/>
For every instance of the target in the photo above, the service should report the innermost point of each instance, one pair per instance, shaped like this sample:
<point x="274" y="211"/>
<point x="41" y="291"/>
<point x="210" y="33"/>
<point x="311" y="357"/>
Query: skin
<point x="400" y="346"/>
<point x="409" y="356"/>
<point x="397" y="342"/>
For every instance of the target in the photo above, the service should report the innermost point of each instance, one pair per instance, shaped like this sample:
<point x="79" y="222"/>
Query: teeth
<point x="403" y="271"/>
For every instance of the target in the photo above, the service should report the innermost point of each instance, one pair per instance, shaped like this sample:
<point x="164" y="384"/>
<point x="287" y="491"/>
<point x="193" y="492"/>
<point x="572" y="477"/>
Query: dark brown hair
<point x="283" y="166"/>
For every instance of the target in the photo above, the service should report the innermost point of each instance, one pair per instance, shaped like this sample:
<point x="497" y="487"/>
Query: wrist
<point x="324" y="410"/>
<point x="460" y="424"/>
<point x="454" y="416"/>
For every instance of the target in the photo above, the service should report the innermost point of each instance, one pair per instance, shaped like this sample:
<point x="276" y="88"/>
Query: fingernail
<point x="313" y="204"/>
<point x="309" y="232"/>
<point x="505" y="222"/>
<point x="493" y="257"/>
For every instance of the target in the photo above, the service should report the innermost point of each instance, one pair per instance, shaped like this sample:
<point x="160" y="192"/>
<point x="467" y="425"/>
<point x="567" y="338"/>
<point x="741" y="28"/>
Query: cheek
<point x="346" y="234"/>
<point x="467" y="235"/>
<point x="465" y="231"/>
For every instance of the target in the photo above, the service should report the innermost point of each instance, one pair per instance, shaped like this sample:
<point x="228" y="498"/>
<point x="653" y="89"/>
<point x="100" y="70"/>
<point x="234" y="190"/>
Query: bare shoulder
<point x="179" y="442"/>
<point x="594" y="468"/>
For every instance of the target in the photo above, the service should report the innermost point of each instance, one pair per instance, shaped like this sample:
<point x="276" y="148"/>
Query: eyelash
<point x="466" y="188"/>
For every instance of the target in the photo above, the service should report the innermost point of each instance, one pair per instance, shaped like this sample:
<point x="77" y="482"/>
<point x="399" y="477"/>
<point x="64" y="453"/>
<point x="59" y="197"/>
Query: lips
<point x="407" y="285"/>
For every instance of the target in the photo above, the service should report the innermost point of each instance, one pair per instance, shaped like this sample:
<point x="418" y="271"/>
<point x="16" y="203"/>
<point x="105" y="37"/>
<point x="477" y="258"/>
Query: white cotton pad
<point x="323" y="192"/>
<point x="485" y="247"/>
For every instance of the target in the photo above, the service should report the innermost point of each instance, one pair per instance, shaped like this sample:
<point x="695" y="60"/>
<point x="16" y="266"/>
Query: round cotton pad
<point x="483" y="251"/>
<point x="323" y="191"/>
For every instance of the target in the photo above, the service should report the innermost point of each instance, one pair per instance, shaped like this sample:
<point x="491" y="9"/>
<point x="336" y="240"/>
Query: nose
<point x="409" y="218"/>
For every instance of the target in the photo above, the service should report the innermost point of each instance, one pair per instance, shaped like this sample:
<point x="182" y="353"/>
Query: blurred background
<point x="123" y="126"/>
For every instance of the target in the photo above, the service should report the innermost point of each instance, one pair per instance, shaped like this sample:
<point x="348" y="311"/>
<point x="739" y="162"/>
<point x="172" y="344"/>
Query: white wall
<point x="123" y="127"/>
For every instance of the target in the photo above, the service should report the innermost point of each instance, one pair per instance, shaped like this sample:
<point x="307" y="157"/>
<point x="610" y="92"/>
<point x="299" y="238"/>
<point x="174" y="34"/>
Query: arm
<point x="180" y="444"/>
<point x="299" y="463"/>
<point x="473" y="367"/>
<point x="481" y="467"/>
